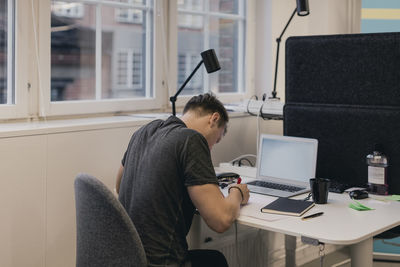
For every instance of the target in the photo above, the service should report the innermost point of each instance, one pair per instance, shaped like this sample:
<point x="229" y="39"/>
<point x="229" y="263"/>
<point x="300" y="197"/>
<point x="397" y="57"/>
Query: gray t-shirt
<point x="162" y="159"/>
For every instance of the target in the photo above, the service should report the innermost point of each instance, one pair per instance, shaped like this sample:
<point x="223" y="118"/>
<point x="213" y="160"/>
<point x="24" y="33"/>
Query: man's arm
<point x="218" y="212"/>
<point x="119" y="178"/>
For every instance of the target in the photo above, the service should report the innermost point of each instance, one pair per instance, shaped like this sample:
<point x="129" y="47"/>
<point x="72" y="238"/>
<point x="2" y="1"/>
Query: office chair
<point x="106" y="235"/>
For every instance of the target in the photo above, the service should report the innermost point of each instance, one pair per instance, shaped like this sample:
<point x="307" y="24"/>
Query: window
<point x="99" y="56"/>
<point x="380" y="16"/>
<point x="7" y="92"/>
<point x="211" y="24"/>
<point x="73" y="57"/>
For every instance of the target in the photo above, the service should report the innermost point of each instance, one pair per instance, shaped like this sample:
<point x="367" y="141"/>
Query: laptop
<point x="285" y="165"/>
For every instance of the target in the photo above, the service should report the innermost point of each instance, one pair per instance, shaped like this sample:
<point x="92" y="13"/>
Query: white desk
<point x="338" y="225"/>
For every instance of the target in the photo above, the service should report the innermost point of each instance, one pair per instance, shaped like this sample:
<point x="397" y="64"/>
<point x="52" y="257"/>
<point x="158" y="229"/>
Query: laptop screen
<point x="291" y="158"/>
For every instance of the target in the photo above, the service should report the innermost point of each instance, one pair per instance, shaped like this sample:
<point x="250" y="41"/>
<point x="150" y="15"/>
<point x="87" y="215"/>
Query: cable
<point x="258" y="128"/>
<point x="246" y="159"/>
<point x="264" y="96"/>
<point x="242" y="156"/>
<point x="248" y="103"/>
<point x="308" y="197"/>
<point x="261" y="113"/>
<point x="41" y="107"/>
<point x="35" y="34"/>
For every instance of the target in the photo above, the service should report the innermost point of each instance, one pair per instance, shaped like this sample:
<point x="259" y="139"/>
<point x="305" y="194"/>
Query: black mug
<point x="319" y="190"/>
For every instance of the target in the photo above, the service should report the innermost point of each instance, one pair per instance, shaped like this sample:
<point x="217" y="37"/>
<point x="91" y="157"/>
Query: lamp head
<point x="210" y="60"/>
<point x="302" y="7"/>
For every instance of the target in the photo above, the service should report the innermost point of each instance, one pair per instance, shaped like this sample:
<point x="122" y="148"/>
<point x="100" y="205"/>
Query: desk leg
<point x="361" y="253"/>
<point x="290" y="249"/>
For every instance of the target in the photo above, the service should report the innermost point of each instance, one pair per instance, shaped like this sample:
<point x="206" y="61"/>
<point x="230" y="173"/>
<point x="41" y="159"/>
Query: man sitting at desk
<point x="167" y="173"/>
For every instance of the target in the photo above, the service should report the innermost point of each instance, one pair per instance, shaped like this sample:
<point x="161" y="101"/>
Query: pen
<point x="312" y="216"/>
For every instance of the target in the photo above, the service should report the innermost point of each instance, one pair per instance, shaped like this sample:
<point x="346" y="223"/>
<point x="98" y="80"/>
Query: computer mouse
<point x="358" y="194"/>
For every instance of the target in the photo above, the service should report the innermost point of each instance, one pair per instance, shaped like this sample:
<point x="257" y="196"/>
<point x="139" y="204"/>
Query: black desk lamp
<point x="210" y="60"/>
<point x="302" y="10"/>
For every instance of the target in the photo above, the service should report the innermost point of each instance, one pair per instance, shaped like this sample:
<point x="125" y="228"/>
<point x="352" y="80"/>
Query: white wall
<point x="37" y="197"/>
<point x="38" y="169"/>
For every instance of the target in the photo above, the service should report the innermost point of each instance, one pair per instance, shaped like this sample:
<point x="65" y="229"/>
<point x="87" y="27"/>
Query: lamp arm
<point x="287" y="24"/>
<point x="173" y="98"/>
<point x="278" y="42"/>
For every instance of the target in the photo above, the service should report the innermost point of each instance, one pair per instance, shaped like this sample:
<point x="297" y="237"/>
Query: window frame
<point x="58" y="108"/>
<point x="19" y="61"/>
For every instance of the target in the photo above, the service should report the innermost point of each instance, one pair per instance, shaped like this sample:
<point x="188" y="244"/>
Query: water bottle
<point x="377" y="163"/>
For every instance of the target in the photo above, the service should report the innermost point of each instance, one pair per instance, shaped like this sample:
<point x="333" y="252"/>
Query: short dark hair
<point x="205" y="104"/>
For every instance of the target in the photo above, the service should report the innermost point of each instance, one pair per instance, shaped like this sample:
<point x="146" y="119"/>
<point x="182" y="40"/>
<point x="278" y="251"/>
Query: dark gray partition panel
<point x="359" y="69"/>
<point x="346" y="135"/>
<point x="344" y="90"/>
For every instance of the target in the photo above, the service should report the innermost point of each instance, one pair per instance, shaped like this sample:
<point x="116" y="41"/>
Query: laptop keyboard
<point x="282" y="187"/>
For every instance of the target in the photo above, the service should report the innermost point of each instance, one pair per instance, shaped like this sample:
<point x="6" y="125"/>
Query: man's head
<point x="207" y="115"/>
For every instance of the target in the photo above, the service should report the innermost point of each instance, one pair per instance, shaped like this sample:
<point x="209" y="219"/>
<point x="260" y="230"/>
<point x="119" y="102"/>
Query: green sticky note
<point x="358" y="206"/>
<point x="394" y="197"/>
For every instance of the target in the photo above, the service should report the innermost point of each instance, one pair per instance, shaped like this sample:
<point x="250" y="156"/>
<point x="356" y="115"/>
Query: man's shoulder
<point x="173" y="128"/>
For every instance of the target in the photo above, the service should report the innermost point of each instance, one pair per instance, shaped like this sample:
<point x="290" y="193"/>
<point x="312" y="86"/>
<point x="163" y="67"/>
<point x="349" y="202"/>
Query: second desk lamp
<point x="302" y="9"/>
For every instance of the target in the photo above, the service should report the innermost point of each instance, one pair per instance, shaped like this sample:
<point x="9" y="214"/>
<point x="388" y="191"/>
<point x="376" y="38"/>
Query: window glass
<point x="380" y="16"/>
<point x="211" y="24"/>
<point x="225" y="6"/>
<point x="224" y="37"/>
<point x="101" y="50"/>
<point x="7" y="93"/>
<point x="190" y="42"/>
<point x="124" y="53"/>
<point x="73" y="51"/>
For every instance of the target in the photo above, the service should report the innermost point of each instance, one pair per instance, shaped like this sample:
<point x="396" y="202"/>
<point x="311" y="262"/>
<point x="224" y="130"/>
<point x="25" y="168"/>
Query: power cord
<point x="248" y="103"/>
<point x="239" y="162"/>
<point x="239" y="159"/>
<point x="264" y="96"/>
<point x="308" y="197"/>
<point x="263" y="99"/>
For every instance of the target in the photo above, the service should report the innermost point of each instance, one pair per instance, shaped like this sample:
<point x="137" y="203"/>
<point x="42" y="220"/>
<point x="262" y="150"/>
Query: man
<point x="167" y="173"/>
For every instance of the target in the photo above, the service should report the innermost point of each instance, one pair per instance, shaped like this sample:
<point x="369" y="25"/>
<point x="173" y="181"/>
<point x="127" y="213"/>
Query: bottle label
<point x="376" y="175"/>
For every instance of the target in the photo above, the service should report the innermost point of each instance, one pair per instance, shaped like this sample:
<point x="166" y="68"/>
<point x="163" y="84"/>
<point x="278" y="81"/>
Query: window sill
<point x="17" y="129"/>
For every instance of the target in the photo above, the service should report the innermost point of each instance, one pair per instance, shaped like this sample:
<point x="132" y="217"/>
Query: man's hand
<point x="245" y="193"/>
